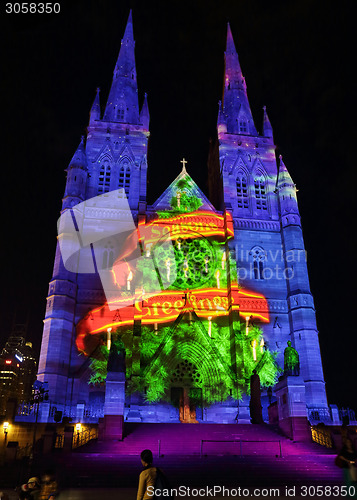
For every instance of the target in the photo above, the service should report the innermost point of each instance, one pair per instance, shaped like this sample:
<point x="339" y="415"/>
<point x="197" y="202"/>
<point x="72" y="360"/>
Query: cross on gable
<point x="183" y="161"/>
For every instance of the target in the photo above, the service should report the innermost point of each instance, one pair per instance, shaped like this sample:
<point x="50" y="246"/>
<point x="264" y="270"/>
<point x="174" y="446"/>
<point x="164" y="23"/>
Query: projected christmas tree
<point x="189" y="330"/>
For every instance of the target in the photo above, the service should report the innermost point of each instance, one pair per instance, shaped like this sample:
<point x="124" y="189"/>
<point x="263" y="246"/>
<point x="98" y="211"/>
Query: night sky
<point x="298" y="58"/>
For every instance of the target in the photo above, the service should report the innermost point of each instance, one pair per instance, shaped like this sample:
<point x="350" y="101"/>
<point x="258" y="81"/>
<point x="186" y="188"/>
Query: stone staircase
<point x="253" y="459"/>
<point x="203" y="439"/>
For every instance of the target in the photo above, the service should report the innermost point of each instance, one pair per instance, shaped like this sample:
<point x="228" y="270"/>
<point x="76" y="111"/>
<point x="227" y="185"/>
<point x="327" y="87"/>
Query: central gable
<point x="182" y="188"/>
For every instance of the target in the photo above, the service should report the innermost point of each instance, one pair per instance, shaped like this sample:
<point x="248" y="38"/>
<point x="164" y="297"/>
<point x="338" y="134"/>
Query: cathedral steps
<point x="205" y="439"/>
<point x="117" y="463"/>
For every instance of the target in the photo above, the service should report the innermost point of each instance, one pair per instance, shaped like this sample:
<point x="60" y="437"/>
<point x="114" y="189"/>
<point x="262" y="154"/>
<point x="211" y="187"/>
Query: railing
<point x="78" y="439"/>
<point x="59" y="440"/>
<point x="322" y="436"/>
<point x="346" y="412"/>
<point x="319" y="415"/>
<point x="26" y="409"/>
<point x="241" y="442"/>
<point x="83" y="437"/>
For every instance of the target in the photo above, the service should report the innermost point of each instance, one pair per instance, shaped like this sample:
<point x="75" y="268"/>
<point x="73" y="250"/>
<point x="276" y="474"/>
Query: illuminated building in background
<point x="195" y="317"/>
<point x="18" y="368"/>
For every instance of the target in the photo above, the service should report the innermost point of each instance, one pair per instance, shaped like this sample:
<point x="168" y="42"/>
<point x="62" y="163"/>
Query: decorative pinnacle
<point x="230" y="47"/>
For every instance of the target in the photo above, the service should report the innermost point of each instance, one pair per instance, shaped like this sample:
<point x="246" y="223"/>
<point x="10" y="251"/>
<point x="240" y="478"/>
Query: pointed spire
<point x="144" y="114"/>
<point x="79" y="158"/>
<point x="239" y="117"/>
<point x="122" y="105"/>
<point x="221" y="118"/>
<point x="95" y="110"/>
<point x="230" y="47"/>
<point x="284" y="178"/>
<point x="126" y="56"/>
<point x="267" y="128"/>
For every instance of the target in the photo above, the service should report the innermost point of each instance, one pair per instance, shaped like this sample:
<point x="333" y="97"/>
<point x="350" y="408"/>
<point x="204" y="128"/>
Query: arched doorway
<point x="186" y="392"/>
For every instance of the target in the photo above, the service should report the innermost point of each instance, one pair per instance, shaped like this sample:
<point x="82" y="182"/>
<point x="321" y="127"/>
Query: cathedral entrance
<point x="186" y="393"/>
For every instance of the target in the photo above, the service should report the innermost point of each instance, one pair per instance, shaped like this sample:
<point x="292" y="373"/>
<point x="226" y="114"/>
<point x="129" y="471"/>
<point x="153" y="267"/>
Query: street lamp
<point x="5" y="426"/>
<point x="78" y="429"/>
<point x="39" y="394"/>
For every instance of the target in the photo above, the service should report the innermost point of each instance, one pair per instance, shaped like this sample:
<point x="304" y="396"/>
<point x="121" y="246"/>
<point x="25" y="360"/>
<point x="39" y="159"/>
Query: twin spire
<point x="234" y="112"/>
<point x="122" y="104"/>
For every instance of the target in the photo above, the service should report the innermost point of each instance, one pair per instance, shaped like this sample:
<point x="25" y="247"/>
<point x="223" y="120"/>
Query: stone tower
<point x="268" y="242"/>
<point x="112" y="156"/>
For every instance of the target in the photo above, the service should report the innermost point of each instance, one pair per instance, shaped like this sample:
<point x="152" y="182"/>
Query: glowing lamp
<point x="206" y="264"/>
<point x="262" y="346"/>
<point x="254" y="347"/>
<point x="8" y="361"/>
<point x="109" y="338"/>
<point x="217" y="278"/>
<point x="78" y="427"/>
<point x="148" y="247"/>
<point x="128" y="281"/>
<point x="247" y="325"/>
<point x="5" y="426"/>
<point x="178" y="198"/>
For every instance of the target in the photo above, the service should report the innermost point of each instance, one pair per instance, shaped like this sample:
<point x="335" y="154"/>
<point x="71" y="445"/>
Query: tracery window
<point x="259" y="257"/>
<point x="242" y="191"/>
<point x="121" y="113"/>
<point x="104" y="178"/>
<point x="124" y="177"/>
<point x="243" y="128"/>
<point x="260" y="193"/>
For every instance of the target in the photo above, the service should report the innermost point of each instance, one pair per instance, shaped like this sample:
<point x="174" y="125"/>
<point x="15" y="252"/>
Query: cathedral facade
<point x="195" y="293"/>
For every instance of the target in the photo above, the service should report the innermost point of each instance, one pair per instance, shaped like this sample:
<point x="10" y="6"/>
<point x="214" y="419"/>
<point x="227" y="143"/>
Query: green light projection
<point x="162" y="350"/>
<point x="195" y="262"/>
<point x="222" y="351"/>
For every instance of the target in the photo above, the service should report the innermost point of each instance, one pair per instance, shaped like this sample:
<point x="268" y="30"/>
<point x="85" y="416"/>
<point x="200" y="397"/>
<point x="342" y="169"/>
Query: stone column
<point x="114" y="405"/>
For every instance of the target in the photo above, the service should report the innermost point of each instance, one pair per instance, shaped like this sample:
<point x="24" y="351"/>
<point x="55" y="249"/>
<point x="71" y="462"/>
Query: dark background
<point x="298" y="58"/>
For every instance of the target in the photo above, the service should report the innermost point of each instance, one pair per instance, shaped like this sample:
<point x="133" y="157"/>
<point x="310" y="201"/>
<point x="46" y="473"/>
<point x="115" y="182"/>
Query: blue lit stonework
<point x="268" y="242"/>
<point x="245" y="178"/>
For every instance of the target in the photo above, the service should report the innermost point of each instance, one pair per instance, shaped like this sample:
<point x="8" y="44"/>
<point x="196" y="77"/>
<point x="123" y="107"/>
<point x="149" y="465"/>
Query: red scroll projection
<point x="165" y="305"/>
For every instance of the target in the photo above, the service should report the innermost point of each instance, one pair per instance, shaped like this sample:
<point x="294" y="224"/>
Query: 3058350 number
<point x="32" y="8"/>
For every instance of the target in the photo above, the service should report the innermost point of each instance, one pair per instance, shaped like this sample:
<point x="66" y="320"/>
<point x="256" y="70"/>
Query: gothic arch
<point x="242" y="189"/>
<point x="120" y="112"/>
<point x="105" y="153"/>
<point x="126" y="151"/>
<point x="259" y="168"/>
<point x="260" y="184"/>
<point x="259" y="257"/>
<point x="125" y="170"/>
<point x="104" y="176"/>
<point x="197" y="348"/>
<point x="239" y="165"/>
<point x="243" y="124"/>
